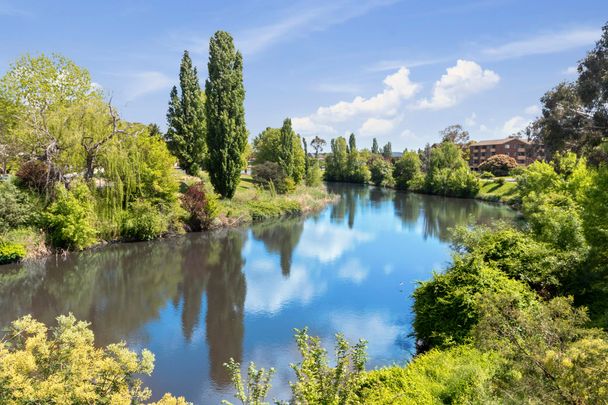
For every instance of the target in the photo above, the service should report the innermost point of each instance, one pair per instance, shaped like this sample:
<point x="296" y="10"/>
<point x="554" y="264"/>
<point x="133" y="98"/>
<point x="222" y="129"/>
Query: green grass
<point x="491" y="190"/>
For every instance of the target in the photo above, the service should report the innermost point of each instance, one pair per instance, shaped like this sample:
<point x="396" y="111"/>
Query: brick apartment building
<point x="524" y="152"/>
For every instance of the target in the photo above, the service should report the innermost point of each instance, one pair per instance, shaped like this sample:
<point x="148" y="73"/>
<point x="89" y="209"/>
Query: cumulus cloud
<point x="377" y="126"/>
<point x="515" y="124"/>
<point x="398" y="87"/>
<point x="571" y="70"/>
<point x="353" y="271"/>
<point x="459" y="81"/>
<point x="327" y="242"/>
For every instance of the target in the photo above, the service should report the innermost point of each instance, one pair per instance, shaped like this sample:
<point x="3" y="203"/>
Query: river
<point x="197" y="300"/>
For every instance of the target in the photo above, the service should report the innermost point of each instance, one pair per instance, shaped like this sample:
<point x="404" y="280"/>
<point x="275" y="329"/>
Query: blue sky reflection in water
<point x="198" y="300"/>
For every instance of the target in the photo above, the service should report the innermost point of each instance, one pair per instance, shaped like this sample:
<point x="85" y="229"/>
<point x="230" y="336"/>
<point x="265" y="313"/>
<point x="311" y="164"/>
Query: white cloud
<point x="545" y="43"/>
<point x="571" y="70"/>
<point x="305" y="19"/>
<point x="337" y="88"/>
<point x="327" y="242"/>
<point x="515" y="124"/>
<point x="143" y="83"/>
<point x="398" y="87"/>
<point x="353" y="271"/>
<point x="463" y="79"/>
<point x="305" y="125"/>
<point x="377" y="126"/>
<point x="532" y="110"/>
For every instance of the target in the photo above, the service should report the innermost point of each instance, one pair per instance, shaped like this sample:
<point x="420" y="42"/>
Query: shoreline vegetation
<point x="520" y="315"/>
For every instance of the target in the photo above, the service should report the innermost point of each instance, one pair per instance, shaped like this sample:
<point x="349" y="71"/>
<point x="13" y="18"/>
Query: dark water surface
<point x="198" y="300"/>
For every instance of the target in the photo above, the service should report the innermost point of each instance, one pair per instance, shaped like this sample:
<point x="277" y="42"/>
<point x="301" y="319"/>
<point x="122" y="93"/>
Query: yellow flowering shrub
<point x="61" y="365"/>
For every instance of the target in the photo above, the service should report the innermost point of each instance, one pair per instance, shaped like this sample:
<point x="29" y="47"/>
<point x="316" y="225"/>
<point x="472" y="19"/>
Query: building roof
<point x="497" y="141"/>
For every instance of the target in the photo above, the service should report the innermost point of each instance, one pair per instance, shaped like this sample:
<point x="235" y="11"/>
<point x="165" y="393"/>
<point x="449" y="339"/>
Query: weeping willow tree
<point x="135" y="165"/>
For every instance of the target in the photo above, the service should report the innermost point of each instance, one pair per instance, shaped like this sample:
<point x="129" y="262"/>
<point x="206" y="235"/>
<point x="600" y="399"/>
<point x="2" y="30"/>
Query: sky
<point x="399" y="71"/>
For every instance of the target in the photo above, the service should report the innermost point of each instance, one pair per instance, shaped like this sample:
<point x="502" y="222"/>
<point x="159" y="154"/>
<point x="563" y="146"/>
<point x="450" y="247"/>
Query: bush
<point x="35" y="175"/>
<point x="260" y="210"/>
<point x="63" y="365"/>
<point x="381" y="172"/>
<point x="200" y="205"/>
<point x="448" y="306"/>
<point x="271" y="172"/>
<point x="143" y="221"/>
<point x="407" y="168"/>
<point x="498" y="165"/>
<point x="459" y="182"/>
<point x="70" y="219"/>
<point x="500" y="181"/>
<point x="11" y="252"/>
<point x="460" y="375"/>
<point x="18" y="208"/>
<point x="314" y="177"/>
<point x="486" y="175"/>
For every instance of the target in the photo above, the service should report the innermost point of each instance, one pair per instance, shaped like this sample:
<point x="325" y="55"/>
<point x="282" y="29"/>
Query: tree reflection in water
<point x="280" y="237"/>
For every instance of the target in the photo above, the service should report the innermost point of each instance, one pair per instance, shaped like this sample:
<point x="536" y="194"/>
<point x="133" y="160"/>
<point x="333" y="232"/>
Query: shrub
<point x="35" y="175"/>
<point x="486" y="175"/>
<point x="270" y="172"/>
<point x="63" y="365"/>
<point x="11" y="252"/>
<point x="70" y="219"/>
<point x="260" y="210"/>
<point x="448" y="306"/>
<point x="407" y="168"/>
<point x="459" y="182"/>
<point x="498" y="165"/>
<point x="201" y="207"/>
<point x="314" y="177"/>
<point x="460" y="375"/>
<point x="17" y="207"/>
<point x="143" y="221"/>
<point x="381" y="172"/>
<point x="500" y="181"/>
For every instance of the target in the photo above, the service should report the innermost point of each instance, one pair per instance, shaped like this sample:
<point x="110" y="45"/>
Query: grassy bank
<point x="498" y="190"/>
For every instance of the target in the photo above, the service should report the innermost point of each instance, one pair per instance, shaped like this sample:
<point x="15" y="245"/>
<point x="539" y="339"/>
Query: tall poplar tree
<point x="186" y="119"/>
<point x="375" y="148"/>
<point x="226" y="131"/>
<point x="286" y="155"/>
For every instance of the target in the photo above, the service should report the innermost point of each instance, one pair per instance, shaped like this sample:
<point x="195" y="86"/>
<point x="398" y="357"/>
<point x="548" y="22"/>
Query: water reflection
<point x="200" y="299"/>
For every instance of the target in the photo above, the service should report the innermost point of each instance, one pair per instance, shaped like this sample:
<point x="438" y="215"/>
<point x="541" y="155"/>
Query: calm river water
<point x="198" y="300"/>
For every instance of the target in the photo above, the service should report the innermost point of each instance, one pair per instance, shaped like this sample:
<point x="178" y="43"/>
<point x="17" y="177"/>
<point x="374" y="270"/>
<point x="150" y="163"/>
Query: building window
<point x="507" y="146"/>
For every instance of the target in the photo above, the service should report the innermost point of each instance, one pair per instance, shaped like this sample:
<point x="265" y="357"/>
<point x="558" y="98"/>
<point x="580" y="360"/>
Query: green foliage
<point x="62" y="365"/>
<point x="448" y="306"/>
<point x="271" y="175"/>
<point x="387" y="151"/>
<point x="550" y="357"/>
<point x="448" y="174"/>
<point x="260" y="210"/>
<point x="356" y="168"/>
<point x="143" y="221"/>
<point x="11" y="252"/>
<point x="539" y="177"/>
<point x="381" y="172"/>
<point x="336" y="163"/>
<point x="460" y="375"/>
<point x="318" y="144"/>
<point x="256" y="387"/>
<point x="375" y="148"/>
<point x="407" y="169"/>
<point x="225" y="112"/>
<point x="201" y="207"/>
<point x="314" y="177"/>
<point x="70" y="219"/>
<point x="498" y="165"/>
<point x="273" y="145"/>
<point x="595" y="214"/>
<point x="186" y="119"/>
<point x="18" y="207"/>
<point x="319" y="383"/>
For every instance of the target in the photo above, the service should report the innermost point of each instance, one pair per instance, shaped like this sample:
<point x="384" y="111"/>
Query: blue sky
<point x="396" y="70"/>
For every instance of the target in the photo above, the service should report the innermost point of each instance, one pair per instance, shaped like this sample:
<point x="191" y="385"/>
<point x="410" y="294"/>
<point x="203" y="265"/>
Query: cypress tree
<point x="375" y="148"/>
<point x="286" y="155"/>
<point x="387" y="151"/>
<point x="226" y="131"/>
<point x="306" y="162"/>
<point x="186" y="119"/>
<point x="352" y="143"/>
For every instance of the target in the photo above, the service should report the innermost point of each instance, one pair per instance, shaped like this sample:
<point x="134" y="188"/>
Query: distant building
<point x="524" y="152"/>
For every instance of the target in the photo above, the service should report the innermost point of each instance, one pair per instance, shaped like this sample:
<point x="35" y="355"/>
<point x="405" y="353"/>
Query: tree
<point x="285" y="151"/>
<point x="498" y="165"/>
<point x="381" y="172"/>
<point x="337" y="162"/>
<point x="407" y="169"/>
<point x="455" y="134"/>
<point x="352" y="143"/>
<point x="318" y="144"/>
<point x="269" y="147"/>
<point x="375" y="148"/>
<point x="387" y="151"/>
<point x="226" y="130"/>
<point x="186" y="119"/>
<point x="42" y="88"/>
<point x="306" y="162"/>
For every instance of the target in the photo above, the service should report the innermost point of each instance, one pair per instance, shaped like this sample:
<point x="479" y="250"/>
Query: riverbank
<point x="250" y="204"/>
